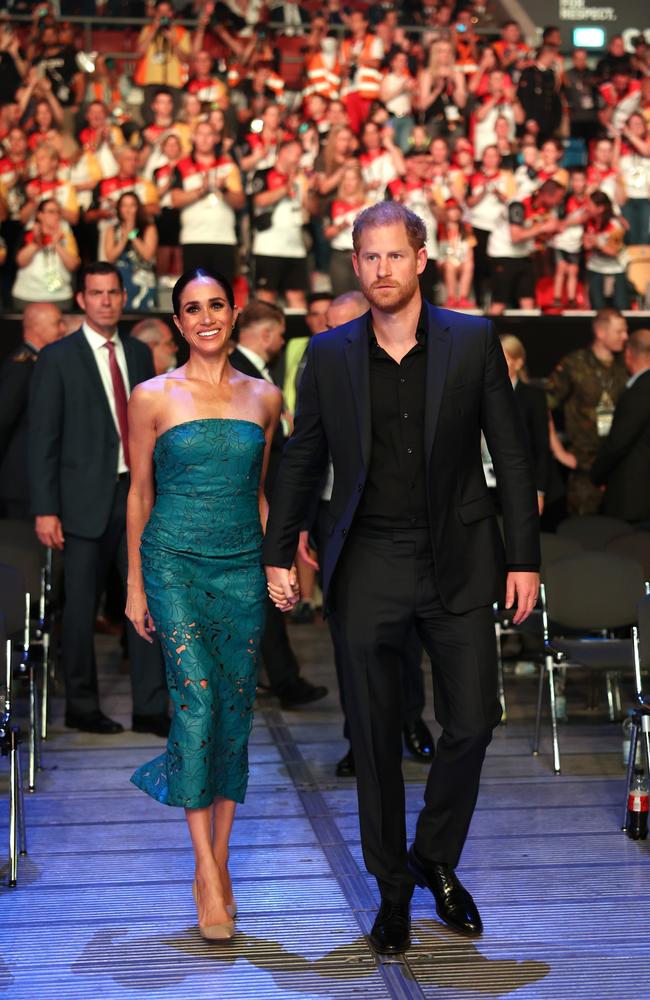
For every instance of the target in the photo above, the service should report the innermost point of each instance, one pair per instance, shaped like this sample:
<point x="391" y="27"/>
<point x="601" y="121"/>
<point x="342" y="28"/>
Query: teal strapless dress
<point x="201" y="562"/>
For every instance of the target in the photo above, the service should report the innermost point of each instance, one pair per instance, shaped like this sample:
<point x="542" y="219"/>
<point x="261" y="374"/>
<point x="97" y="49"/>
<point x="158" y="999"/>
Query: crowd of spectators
<point x="208" y="145"/>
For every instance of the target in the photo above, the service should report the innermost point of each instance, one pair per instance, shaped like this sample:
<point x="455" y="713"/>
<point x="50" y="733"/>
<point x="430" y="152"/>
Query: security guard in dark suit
<point x="42" y="325"/>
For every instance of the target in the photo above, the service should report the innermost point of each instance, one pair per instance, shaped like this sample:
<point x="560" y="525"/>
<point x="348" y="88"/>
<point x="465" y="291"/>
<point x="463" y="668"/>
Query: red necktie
<point x="119" y="393"/>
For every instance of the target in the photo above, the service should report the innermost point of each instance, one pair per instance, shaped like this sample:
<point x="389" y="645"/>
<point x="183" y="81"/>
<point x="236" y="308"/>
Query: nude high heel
<point x="214" y="932"/>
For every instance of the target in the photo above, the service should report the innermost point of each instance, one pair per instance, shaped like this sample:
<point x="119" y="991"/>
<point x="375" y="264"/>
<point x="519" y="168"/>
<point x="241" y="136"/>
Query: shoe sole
<point x="388" y="951"/>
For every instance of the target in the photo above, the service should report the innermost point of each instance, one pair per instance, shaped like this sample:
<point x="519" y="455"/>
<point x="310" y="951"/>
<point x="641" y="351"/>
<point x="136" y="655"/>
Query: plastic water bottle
<point x="637" y="808"/>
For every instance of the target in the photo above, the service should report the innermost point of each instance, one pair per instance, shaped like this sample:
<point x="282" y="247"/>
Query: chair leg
<point x="22" y="830"/>
<point x="13" y="808"/>
<point x="634" y="736"/>
<point x="540" y="698"/>
<point x="610" y="695"/>
<point x="556" y="742"/>
<point x="46" y="684"/>
<point x="500" y="682"/>
<point x="618" y="707"/>
<point x="34" y="749"/>
<point x="645" y="739"/>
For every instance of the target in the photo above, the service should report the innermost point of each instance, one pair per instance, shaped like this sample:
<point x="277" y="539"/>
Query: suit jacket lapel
<point x="438" y="348"/>
<point x="89" y="363"/>
<point x="358" y="363"/>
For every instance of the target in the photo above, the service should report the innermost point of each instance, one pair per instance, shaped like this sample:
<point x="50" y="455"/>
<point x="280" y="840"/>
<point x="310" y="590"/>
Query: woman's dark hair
<point x="200" y="272"/>
<point x="602" y="200"/>
<point x="45" y="202"/>
<point x="142" y="220"/>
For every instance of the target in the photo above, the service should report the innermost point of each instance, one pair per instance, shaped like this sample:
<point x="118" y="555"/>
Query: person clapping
<point x="46" y="260"/>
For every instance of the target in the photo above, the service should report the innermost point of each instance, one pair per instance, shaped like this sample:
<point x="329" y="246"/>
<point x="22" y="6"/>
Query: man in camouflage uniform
<point x="42" y="325"/>
<point x="587" y="384"/>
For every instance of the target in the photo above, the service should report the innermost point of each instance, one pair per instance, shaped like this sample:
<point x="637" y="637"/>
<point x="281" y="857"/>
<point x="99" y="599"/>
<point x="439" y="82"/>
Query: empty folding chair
<point x="20" y="547"/>
<point x="641" y="714"/>
<point x="593" y="531"/>
<point x="15" y="605"/>
<point x="552" y="547"/>
<point x="10" y="740"/>
<point x="586" y="597"/>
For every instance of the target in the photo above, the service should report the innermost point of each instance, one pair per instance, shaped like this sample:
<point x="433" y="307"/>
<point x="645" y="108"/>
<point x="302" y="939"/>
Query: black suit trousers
<point x="385" y="584"/>
<point x="86" y="562"/>
<point x="413" y="693"/>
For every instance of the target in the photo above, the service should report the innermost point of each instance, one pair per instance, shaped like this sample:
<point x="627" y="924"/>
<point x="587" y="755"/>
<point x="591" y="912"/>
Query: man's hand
<point x="49" y="531"/>
<point x="305" y="552"/>
<point x="283" y="587"/>
<point x="525" y="588"/>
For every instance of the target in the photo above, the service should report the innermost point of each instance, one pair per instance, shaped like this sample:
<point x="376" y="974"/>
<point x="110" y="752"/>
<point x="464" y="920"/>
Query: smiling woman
<point x="195" y="572"/>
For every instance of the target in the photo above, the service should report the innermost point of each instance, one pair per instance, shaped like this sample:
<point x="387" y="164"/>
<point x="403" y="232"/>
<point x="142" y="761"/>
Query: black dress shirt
<point x="395" y="494"/>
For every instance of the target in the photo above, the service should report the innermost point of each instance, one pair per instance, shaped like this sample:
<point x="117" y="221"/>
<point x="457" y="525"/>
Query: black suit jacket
<point x="468" y="389"/>
<point x="246" y="366"/>
<point x="623" y="460"/>
<point x="15" y="377"/>
<point x="73" y="443"/>
<point x="532" y="405"/>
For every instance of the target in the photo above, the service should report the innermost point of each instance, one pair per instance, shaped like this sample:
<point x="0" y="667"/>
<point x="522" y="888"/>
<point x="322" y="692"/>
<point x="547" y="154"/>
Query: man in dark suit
<point x="79" y="481"/>
<point x="260" y="333"/>
<point x="399" y="398"/>
<point x="623" y="461"/>
<point x="42" y="325"/>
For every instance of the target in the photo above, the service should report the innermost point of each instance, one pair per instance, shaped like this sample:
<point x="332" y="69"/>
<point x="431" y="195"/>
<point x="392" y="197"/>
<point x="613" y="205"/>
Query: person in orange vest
<point x="361" y="57"/>
<point x="164" y="51"/>
<point x="323" y="71"/>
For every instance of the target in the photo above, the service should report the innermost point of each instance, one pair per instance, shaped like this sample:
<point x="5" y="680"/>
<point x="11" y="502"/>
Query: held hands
<point x="138" y="614"/>
<point x="282" y="585"/>
<point x="525" y="588"/>
<point x="49" y="531"/>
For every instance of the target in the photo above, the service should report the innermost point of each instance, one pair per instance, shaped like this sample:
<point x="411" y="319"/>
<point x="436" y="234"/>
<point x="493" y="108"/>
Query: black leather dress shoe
<point x="419" y="741"/>
<point x="391" y="931"/>
<point x="93" y="722"/>
<point x="345" y="767"/>
<point x="301" y="692"/>
<point x="157" y="725"/>
<point x="454" y="904"/>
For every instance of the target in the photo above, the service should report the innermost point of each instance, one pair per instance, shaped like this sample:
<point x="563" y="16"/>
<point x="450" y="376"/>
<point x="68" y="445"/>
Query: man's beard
<point x="390" y="301"/>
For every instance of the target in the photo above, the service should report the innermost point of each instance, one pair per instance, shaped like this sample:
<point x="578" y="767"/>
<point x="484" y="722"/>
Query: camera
<point x="165" y="22"/>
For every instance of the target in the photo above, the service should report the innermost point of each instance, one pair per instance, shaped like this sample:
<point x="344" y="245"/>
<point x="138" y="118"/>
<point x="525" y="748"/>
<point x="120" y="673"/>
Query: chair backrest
<point x="12" y="598"/>
<point x="593" y="531"/>
<point x="20" y="547"/>
<point x="593" y="590"/>
<point x="556" y="547"/>
<point x="635" y="546"/>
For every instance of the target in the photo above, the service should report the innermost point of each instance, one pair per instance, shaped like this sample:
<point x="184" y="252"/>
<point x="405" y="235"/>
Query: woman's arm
<point x="147" y="244"/>
<point x="67" y="251"/>
<point x="142" y="440"/>
<point x="113" y="246"/>
<point x="274" y="411"/>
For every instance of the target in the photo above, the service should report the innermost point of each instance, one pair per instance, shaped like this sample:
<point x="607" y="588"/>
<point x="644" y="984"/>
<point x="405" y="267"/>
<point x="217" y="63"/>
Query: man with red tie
<point x="78" y="456"/>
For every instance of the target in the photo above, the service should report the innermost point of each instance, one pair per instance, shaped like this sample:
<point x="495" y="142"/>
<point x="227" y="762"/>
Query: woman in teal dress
<point x="199" y="439"/>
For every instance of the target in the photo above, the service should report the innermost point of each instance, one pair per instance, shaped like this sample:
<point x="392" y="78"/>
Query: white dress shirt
<point x="101" y="353"/>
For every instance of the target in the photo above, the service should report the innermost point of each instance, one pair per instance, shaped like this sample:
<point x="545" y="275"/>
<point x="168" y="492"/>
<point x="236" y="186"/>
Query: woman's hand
<point x="138" y="614"/>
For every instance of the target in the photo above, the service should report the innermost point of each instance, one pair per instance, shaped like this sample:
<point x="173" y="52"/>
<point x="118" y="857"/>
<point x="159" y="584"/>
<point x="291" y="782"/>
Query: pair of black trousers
<point x="385" y="585"/>
<point x="413" y="693"/>
<point x="86" y="562"/>
<point x="277" y="656"/>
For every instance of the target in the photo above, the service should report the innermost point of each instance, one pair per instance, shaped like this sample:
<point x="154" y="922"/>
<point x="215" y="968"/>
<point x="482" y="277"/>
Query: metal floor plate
<point x="104" y="906"/>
